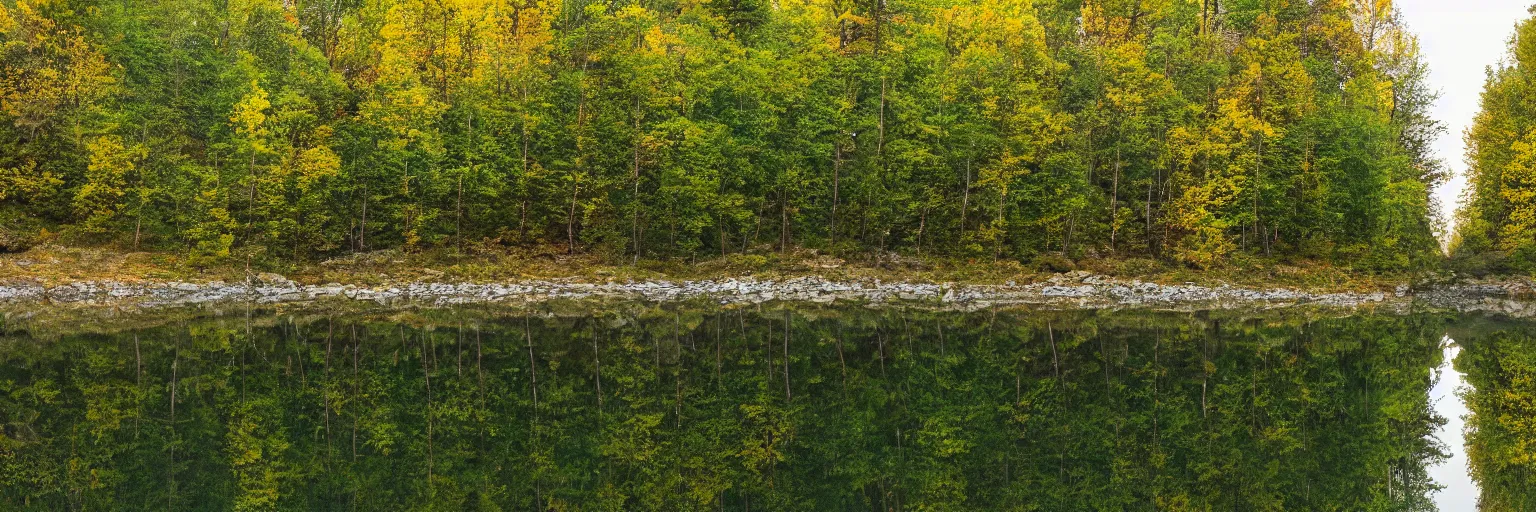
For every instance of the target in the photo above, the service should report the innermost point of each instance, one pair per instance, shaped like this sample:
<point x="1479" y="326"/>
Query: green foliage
<point x="1005" y="129"/>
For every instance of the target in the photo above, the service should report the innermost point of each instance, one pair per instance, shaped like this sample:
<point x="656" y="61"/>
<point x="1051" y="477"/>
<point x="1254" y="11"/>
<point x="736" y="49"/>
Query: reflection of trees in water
<point x="1498" y="361"/>
<point x="760" y="409"/>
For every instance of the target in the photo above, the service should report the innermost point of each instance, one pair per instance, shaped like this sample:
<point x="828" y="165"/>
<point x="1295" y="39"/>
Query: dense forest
<point x="297" y="130"/>
<point x="772" y="408"/>
<point x="1496" y="225"/>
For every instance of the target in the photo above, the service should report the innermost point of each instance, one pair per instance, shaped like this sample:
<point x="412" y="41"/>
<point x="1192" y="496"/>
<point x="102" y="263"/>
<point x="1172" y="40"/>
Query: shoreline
<point x="1079" y="290"/>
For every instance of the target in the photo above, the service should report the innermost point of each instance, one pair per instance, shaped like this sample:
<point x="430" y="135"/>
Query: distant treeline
<point x="295" y="130"/>
<point x="1497" y="221"/>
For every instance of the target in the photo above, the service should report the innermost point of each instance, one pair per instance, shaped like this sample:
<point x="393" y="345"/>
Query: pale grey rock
<point x="1075" y="289"/>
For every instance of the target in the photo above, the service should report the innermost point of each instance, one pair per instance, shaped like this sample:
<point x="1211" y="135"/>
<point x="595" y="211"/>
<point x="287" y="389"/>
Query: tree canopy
<point x="297" y="130"/>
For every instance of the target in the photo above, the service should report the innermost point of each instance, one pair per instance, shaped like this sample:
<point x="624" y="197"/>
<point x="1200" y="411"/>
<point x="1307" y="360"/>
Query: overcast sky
<point x="1460" y="39"/>
<point x="1459" y="493"/>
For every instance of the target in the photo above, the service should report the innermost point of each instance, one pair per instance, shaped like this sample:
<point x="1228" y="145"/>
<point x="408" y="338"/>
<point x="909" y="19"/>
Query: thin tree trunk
<point x="719" y="356"/>
<point x="784" y="222"/>
<point x="1055" y="359"/>
<point x="458" y="218"/>
<point x="842" y="363"/>
<point x="362" y="231"/>
<point x="786" y="353"/>
<point x="757" y="231"/>
<point x="138" y="369"/>
<point x="355" y="349"/>
<point x="965" y="198"/>
<point x="1147" y="212"/>
<point x="880" y="143"/>
<point x="837" y="171"/>
<point x="175" y="382"/>
<point x="1114" y="203"/>
<point x="597" y="372"/>
<point x="480" y="385"/>
<point x="533" y="370"/>
<point x="325" y="396"/>
<point x="922" y="224"/>
<point x="250" y="215"/>
<point x="427" y="373"/>
<point x="581" y="119"/>
<point x="522" y="223"/>
<point x="635" y="177"/>
<point x="997" y="246"/>
<point x="570" y="219"/>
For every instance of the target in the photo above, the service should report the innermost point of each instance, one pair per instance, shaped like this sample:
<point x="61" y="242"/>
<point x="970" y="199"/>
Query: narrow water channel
<point x="1460" y="493"/>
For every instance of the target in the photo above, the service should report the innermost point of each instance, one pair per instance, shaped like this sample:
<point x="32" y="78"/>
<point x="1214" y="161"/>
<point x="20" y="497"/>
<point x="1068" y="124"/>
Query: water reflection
<point x="1498" y="363"/>
<point x="1459" y="492"/>
<point x="773" y="408"/>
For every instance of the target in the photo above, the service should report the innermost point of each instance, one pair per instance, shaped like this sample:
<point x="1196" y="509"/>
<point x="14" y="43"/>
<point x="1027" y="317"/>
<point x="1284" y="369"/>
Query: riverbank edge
<point x="1078" y="290"/>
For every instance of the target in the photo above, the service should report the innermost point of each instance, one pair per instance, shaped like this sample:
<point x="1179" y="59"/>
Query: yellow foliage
<point x="1519" y="191"/>
<point x="106" y="179"/>
<point x="316" y="164"/>
<point x="249" y="115"/>
<point x="7" y="23"/>
<point x="50" y="73"/>
<point x="26" y="181"/>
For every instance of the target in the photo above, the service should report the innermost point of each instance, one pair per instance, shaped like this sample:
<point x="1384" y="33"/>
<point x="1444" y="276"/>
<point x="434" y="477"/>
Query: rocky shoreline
<point x="1071" y="290"/>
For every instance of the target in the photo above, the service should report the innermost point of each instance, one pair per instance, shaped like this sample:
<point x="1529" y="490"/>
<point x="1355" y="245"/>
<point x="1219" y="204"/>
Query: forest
<point x="1188" y="131"/>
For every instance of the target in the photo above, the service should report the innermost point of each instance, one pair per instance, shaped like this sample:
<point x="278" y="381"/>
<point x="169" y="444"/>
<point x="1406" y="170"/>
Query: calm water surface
<point x="781" y="407"/>
<point x="1460" y="492"/>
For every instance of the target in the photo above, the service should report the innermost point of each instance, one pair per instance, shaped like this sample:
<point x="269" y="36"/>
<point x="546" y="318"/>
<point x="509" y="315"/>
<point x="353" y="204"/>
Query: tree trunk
<point x="922" y="224"/>
<point x="784" y="222"/>
<point x="522" y="223"/>
<point x="786" y="354"/>
<point x="965" y="198"/>
<point x="1114" y="203"/>
<point x="533" y="370"/>
<point x="837" y="171"/>
<point x="1147" y="212"/>
<point x="458" y="217"/>
<point x="362" y="230"/>
<point x="570" y="220"/>
<point x="597" y="372"/>
<point x="1055" y="359"/>
<point x="635" y="177"/>
<point x="427" y="374"/>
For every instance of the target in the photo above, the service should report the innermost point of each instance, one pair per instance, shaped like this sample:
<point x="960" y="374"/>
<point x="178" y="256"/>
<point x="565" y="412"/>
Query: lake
<point x="632" y="406"/>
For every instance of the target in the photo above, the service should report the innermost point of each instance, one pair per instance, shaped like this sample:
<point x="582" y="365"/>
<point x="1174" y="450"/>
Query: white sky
<point x="1460" y="39"/>
<point x="1459" y="493"/>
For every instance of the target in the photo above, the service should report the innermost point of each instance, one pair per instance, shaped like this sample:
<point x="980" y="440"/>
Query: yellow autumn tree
<point x="112" y="163"/>
<point x="249" y="122"/>
<point x="1004" y="64"/>
<point x="1518" y="233"/>
<point x="50" y="76"/>
<point x="54" y="90"/>
<point x="1221" y="170"/>
<point x="402" y="102"/>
